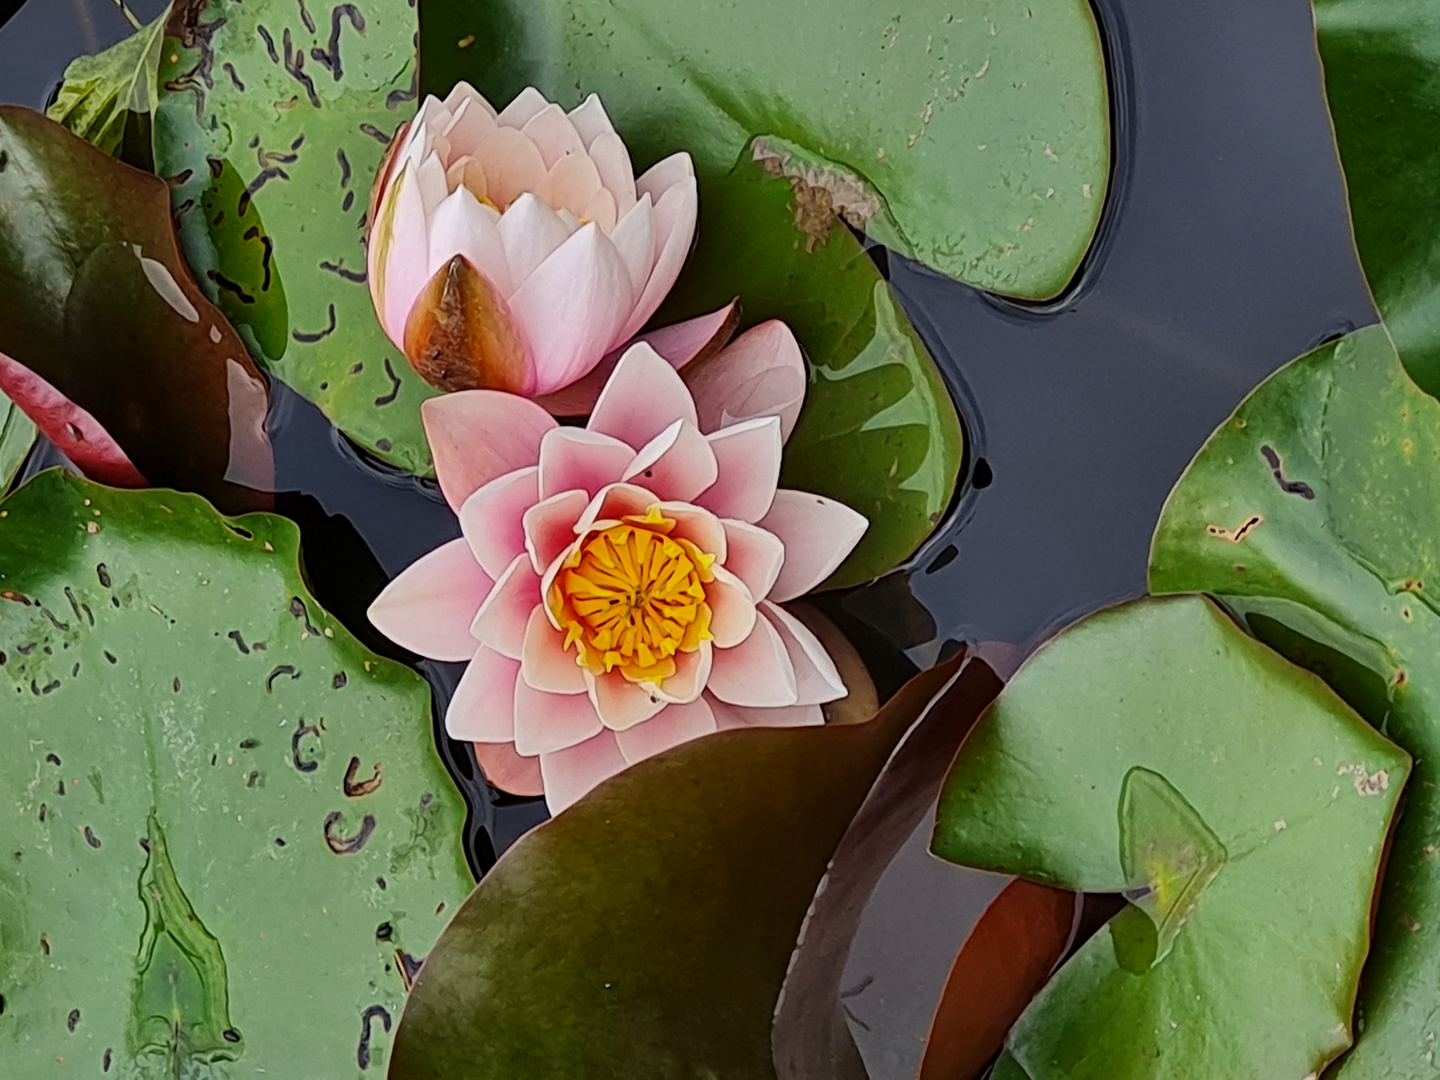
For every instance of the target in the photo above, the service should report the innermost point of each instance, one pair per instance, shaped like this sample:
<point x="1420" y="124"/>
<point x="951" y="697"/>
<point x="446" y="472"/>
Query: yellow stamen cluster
<point x="630" y="596"/>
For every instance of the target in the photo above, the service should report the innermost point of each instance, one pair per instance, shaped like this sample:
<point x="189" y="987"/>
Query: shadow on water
<point x="1224" y="251"/>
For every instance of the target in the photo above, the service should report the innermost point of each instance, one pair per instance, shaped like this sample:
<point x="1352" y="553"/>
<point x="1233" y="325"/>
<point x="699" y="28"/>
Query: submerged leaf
<point x="646" y="931"/>
<point x="1242" y="807"/>
<point x="1337" y="459"/>
<point x="231" y="833"/>
<point x="111" y="318"/>
<point x="973" y="136"/>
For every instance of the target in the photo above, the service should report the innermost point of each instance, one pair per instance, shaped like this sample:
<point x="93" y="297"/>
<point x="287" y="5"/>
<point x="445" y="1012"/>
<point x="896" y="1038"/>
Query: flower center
<point x="631" y="596"/>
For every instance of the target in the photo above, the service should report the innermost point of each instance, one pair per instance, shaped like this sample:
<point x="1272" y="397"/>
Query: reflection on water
<point x="1227" y="255"/>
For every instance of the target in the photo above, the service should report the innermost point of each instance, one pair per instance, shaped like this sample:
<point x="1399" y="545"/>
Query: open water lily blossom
<point x="618" y="587"/>
<point x="513" y="250"/>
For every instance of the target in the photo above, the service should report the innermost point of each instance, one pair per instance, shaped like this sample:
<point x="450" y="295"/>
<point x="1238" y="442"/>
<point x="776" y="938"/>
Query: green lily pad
<point x="1382" y="79"/>
<point x="1238" y="803"/>
<point x="272" y="120"/>
<point x="1314" y="512"/>
<point x="112" y="319"/>
<point x="17" y="435"/>
<point x="647" y="930"/>
<point x="973" y="136"/>
<point x="226" y="819"/>
<point x="878" y="430"/>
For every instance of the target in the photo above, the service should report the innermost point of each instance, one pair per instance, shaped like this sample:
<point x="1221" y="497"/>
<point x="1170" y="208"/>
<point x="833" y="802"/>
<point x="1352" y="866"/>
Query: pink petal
<point x="512" y="164"/>
<point x="591" y="120"/>
<point x="545" y="723"/>
<point x="612" y="503"/>
<point x="748" y="469"/>
<point x="430" y="178"/>
<point x="572" y="458"/>
<point x="729" y="717"/>
<point x="501" y="621"/>
<point x="692" y="341"/>
<point x="477" y="435"/>
<point x="402" y="276"/>
<point x="692" y="672"/>
<point x="429" y="607"/>
<point x="570" y="307"/>
<point x="526" y="105"/>
<point x="760" y="373"/>
<point x="757" y="672"/>
<point x="699" y="526"/>
<point x="462" y="226"/>
<point x="550" y="527"/>
<point x="462" y="96"/>
<point x="753" y="555"/>
<point x="546" y="664"/>
<point x="493" y="518"/>
<point x="817" y="533"/>
<point x="77" y="434"/>
<point x="483" y="708"/>
<point x="664" y="175"/>
<point x="553" y="134"/>
<point x="732" y="609"/>
<point x="634" y="238"/>
<point x="530" y="231"/>
<point x="677" y="464"/>
<point x="612" y="160"/>
<point x="816" y="678"/>
<point x="644" y="396"/>
<point x="665" y="730"/>
<point x="572" y="183"/>
<point x="507" y="770"/>
<point x="470" y="122"/>
<point x="621" y="703"/>
<point x="675" y="213"/>
<point x="570" y="773"/>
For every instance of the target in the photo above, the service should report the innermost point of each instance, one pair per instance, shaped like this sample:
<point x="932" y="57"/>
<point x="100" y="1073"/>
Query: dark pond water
<point x="1224" y="253"/>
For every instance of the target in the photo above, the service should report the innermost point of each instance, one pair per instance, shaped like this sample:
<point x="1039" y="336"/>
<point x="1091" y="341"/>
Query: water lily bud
<point x="514" y="250"/>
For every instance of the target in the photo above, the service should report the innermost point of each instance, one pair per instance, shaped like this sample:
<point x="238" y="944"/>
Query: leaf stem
<point x="128" y="14"/>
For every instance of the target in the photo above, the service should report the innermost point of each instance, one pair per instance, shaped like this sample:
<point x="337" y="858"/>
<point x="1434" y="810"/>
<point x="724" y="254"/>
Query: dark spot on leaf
<point x="375" y="133"/>
<point x="13" y="597"/>
<point x="319" y="335"/>
<point x="53" y="759"/>
<point x="229" y="69"/>
<point x="230" y="1035"/>
<point x="43" y="811"/>
<point x="110" y="656"/>
<point x="249" y="744"/>
<point x="229" y="286"/>
<point x="384" y="932"/>
<point x="357" y="276"/>
<point x="380" y="881"/>
<point x="252" y="779"/>
<point x="348" y="202"/>
<point x="342" y="845"/>
<point x="362" y="1053"/>
<point x="105" y="1061"/>
<point x="282" y="669"/>
<point x="396" y="98"/>
<point x="50" y="687"/>
<point x="306" y="18"/>
<point x="279" y="842"/>
<point x="345" y="171"/>
<point x="409" y="967"/>
<point x="303" y="764"/>
<point x="338" y="683"/>
<point x="60" y="788"/>
<point x="72" y="1021"/>
<point x="395" y="384"/>
<point x="1277" y="469"/>
<point x="55" y="622"/>
<point x="45" y="944"/>
<point x="354" y="789"/>
<point x="269" y="44"/>
<point x="91" y="838"/>
<point x="384" y="445"/>
<point x="239" y="640"/>
<point x="176" y="684"/>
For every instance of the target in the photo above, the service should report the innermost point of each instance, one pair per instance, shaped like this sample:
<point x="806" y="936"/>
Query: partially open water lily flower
<point x="617" y="588"/>
<point x="513" y="250"/>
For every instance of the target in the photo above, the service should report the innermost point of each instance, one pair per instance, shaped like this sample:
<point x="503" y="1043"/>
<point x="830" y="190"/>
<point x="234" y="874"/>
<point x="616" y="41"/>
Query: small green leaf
<point x="1156" y="750"/>
<point x="17" y="435"/>
<point x="113" y="320"/>
<point x="646" y="932"/>
<point x="1382" y="79"/>
<point x="1335" y="464"/>
<point x="879" y="430"/>
<point x="228" y="829"/>
<point x="108" y="99"/>
<point x="973" y="135"/>
<point x="272" y="121"/>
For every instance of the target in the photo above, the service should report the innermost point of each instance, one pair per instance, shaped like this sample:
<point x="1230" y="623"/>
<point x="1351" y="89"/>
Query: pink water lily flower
<point x="618" y="587"/>
<point x="513" y="250"/>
